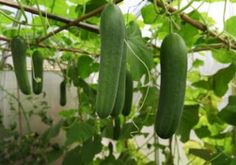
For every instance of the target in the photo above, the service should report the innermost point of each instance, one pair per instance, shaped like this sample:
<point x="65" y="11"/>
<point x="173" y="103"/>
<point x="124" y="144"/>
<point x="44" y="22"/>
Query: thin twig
<point x="32" y="10"/>
<point x="196" y="24"/>
<point x="74" y="50"/>
<point x="73" y="23"/>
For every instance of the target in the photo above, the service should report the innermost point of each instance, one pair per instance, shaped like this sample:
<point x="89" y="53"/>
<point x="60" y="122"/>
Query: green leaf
<point x="149" y="108"/>
<point x="228" y="113"/>
<point x="188" y="120"/>
<point x="69" y="113"/>
<point x="80" y="131"/>
<point x="202" y="132"/>
<point x="54" y="155"/>
<point x="84" y="154"/>
<point x="138" y="54"/>
<point x="86" y="66"/>
<point x="149" y="14"/>
<point x="230" y="25"/>
<point x="90" y="148"/>
<point x="189" y="34"/>
<point x="224" y="55"/>
<point x="110" y="160"/>
<point x="197" y="63"/>
<point x="233" y="161"/>
<point x="205" y="84"/>
<point x="222" y="78"/>
<point x="52" y="131"/>
<point x="220" y="158"/>
<point x="202" y="153"/>
<point x="129" y="130"/>
<point x="72" y="157"/>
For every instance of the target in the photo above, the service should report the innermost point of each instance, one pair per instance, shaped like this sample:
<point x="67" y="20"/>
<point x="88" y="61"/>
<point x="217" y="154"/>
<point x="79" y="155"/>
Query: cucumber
<point x="128" y="94"/>
<point x="120" y="96"/>
<point x="37" y="72"/>
<point x="112" y="30"/>
<point x="18" y="49"/>
<point x="116" y="128"/>
<point x="173" y="59"/>
<point x="63" y="93"/>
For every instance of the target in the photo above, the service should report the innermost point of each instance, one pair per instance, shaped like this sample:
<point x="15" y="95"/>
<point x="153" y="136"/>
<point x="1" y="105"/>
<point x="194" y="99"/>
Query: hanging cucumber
<point x="120" y="96"/>
<point x="63" y="93"/>
<point x="37" y="72"/>
<point x="116" y="128"/>
<point x="173" y="59"/>
<point x="112" y="30"/>
<point x="128" y="94"/>
<point x="18" y="49"/>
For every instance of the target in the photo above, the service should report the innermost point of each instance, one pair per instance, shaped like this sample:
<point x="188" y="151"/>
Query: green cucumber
<point x="116" y="128"/>
<point x="128" y="94"/>
<point x="18" y="49"/>
<point x="120" y="96"/>
<point x="37" y="72"/>
<point x="173" y="59"/>
<point x="63" y="93"/>
<point x="112" y="30"/>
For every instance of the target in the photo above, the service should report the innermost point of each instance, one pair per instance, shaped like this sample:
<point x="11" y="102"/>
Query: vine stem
<point x="74" y="50"/>
<point x="196" y="24"/>
<point x="95" y="29"/>
<point x="32" y="10"/>
<point x="73" y="23"/>
<point x="224" y="12"/>
<point x="21" y="107"/>
<point x="19" y="112"/>
<point x="184" y="8"/>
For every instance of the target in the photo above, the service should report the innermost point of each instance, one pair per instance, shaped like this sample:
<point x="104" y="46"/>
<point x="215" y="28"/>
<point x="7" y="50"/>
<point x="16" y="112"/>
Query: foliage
<point x="206" y="130"/>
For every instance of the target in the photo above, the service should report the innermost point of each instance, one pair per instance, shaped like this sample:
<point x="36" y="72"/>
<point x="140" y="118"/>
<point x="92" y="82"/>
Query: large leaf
<point x="138" y="54"/>
<point x="149" y="14"/>
<point x="188" y="120"/>
<point x="224" y="55"/>
<point x="72" y="157"/>
<point x="220" y="158"/>
<point x="230" y="25"/>
<point x="80" y="131"/>
<point x="228" y="113"/>
<point x="221" y="80"/>
<point x="86" y="66"/>
<point x="84" y="154"/>
<point x="189" y="34"/>
<point x="202" y="132"/>
<point x="90" y="148"/>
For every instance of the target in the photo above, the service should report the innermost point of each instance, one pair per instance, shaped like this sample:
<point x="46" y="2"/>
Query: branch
<point x="74" y="50"/>
<point x="75" y="22"/>
<point x="49" y="15"/>
<point x="4" y="39"/>
<point x="195" y="24"/>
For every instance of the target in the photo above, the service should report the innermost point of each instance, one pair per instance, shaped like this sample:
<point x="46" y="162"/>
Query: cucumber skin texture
<point x="112" y="30"/>
<point x="37" y="72"/>
<point x="63" y="93"/>
<point x="120" y="96"/>
<point x="173" y="55"/>
<point x="128" y="94"/>
<point x="18" y="49"/>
